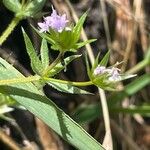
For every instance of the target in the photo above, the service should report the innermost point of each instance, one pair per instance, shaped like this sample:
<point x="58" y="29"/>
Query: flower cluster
<point x="112" y="73"/>
<point x="54" y="21"/>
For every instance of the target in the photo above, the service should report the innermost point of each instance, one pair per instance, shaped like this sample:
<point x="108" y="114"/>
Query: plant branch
<point x="19" y="80"/>
<point x="9" y="29"/>
<point x="69" y="82"/>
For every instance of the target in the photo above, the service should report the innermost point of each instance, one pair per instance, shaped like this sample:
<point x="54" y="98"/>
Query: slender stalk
<point x="53" y="64"/>
<point x="7" y="140"/>
<point x="19" y="80"/>
<point x="9" y="29"/>
<point x="105" y="21"/>
<point x="69" y="82"/>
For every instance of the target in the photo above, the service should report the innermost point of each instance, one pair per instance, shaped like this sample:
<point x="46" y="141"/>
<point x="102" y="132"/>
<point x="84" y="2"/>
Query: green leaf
<point x="87" y="66"/>
<point x="44" y="54"/>
<point x="67" y="88"/>
<point x="81" y="44"/>
<point x="42" y="107"/>
<point x="12" y="5"/>
<point x="105" y="59"/>
<point x="78" y="27"/>
<point x="35" y="62"/>
<point x="59" y="67"/>
<point x="34" y="7"/>
<point x="95" y="65"/>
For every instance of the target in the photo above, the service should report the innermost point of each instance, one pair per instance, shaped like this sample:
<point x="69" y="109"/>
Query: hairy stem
<point x="9" y="29"/>
<point x="69" y="82"/>
<point x="19" y="80"/>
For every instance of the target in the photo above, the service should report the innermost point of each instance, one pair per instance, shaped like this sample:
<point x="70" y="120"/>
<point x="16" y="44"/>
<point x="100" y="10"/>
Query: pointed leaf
<point x="67" y="88"/>
<point x="88" y="66"/>
<point x="95" y="63"/>
<point x="78" y="27"/>
<point x="44" y="54"/>
<point x="105" y="59"/>
<point x="81" y="44"/>
<point x="35" y="62"/>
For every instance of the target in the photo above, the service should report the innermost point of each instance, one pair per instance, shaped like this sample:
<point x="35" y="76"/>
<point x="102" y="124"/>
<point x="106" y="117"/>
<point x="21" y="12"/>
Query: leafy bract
<point x="36" y="102"/>
<point x="67" y="40"/>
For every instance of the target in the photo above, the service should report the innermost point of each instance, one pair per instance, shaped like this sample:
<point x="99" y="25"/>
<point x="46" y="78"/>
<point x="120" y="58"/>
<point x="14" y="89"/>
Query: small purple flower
<point x="54" y="21"/>
<point x="44" y="27"/>
<point x="114" y="76"/>
<point x="113" y="73"/>
<point x="99" y="70"/>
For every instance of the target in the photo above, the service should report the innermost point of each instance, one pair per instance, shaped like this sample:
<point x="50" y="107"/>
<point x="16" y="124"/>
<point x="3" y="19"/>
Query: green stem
<point x="53" y="64"/>
<point x="69" y="82"/>
<point x="138" y="67"/>
<point x="19" y="80"/>
<point x="9" y="29"/>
